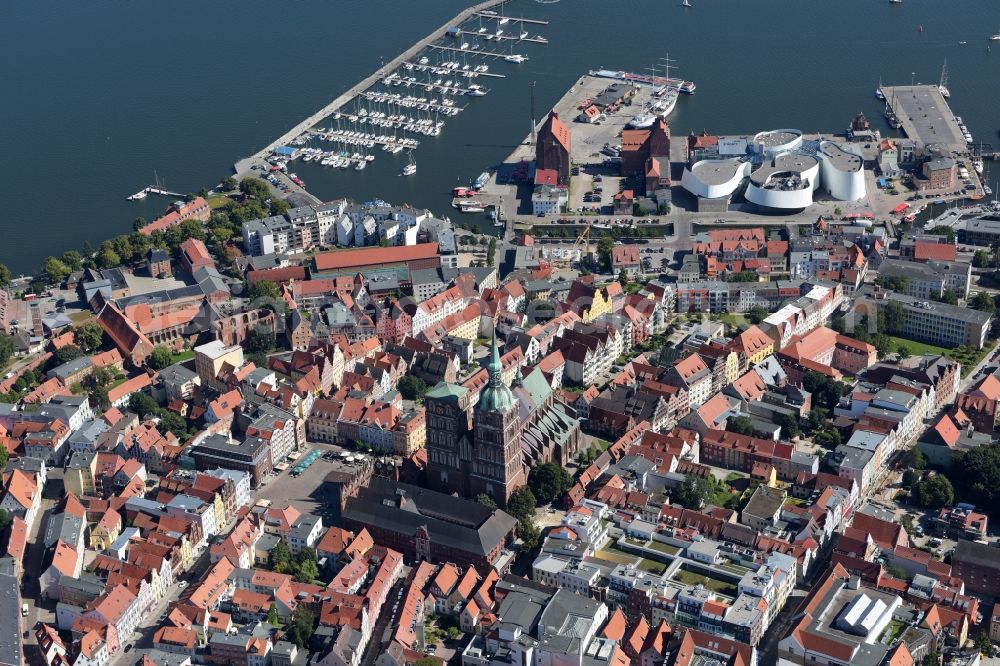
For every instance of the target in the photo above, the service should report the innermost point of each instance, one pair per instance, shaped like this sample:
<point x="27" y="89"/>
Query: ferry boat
<point x="688" y="88"/>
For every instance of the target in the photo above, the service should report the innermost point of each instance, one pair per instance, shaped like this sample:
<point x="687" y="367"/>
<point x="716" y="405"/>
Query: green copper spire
<point x="496" y="397"/>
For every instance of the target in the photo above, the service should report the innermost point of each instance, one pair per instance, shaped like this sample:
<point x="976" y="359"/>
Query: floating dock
<point x="244" y="165"/>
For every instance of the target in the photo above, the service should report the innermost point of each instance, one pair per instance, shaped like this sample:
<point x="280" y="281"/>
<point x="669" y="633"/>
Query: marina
<point x="433" y="74"/>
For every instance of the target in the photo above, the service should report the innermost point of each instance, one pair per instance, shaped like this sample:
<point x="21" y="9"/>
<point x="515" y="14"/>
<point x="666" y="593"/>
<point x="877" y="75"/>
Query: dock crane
<point x="581" y="243"/>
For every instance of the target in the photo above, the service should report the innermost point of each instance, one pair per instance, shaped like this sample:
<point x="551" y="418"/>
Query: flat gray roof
<point x="716" y="172"/>
<point x="842" y="159"/>
<point x="776" y="137"/>
<point x="926" y="116"/>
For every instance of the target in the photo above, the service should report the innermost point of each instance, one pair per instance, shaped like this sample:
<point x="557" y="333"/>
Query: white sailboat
<point x="410" y="168"/>
<point x="943" y="85"/>
<point x="685" y="3"/>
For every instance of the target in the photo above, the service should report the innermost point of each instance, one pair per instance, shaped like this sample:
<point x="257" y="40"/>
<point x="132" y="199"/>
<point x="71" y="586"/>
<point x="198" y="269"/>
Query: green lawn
<point x="734" y="321"/>
<point x="664" y="548"/>
<point x="652" y="567"/>
<point x="714" y="584"/>
<point x="894" y="629"/>
<point x="960" y="354"/>
<point x="917" y="348"/>
<point x="218" y="201"/>
<point x="615" y="555"/>
<point x="185" y="355"/>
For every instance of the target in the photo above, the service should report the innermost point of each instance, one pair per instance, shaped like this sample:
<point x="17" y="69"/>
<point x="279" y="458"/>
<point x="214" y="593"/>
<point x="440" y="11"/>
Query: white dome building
<point x="775" y="142"/>
<point x="843" y="172"/>
<point x="714" y="179"/>
<point x="787" y="182"/>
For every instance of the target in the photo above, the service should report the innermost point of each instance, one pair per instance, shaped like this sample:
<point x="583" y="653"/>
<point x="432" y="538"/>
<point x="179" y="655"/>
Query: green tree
<point x="265" y="290"/>
<point x="272" y="615"/>
<point x="308" y="572"/>
<point x="789" y="424"/>
<point x="142" y="404"/>
<point x="255" y="187"/>
<point x="981" y="259"/>
<point x="977" y="473"/>
<point x="757" y="314"/>
<point x="486" y="500"/>
<point x="897" y="572"/>
<point x="828" y="438"/>
<point x="159" y="358"/>
<point x="66" y="354"/>
<point x="826" y="392"/>
<point x="5" y="520"/>
<point x="453" y="633"/>
<point x="108" y="258"/>
<point x="934" y="492"/>
<point x="260" y="341"/>
<point x="55" y="270"/>
<point x="90" y="336"/>
<point x="4" y="457"/>
<point x="529" y="535"/>
<point x="931" y="659"/>
<point x="604" y="249"/>
<point x="947" y="296"/>
<point x="894" y="317"/>
<point x="943" y="230"/>
<point x="983" y="302"/>
<point x="623" y="278"/>
<point x="72" y="259"/>
<point x="4" y="275"/>
<point x="522" y="504"/>
<point x="491" y="252"/>
<point x="910" y="477"/>
<point x="139" y="223"/>
<point x="301" y="628"/>
<point x="744" y="276"/>
<point x="412" y="387"/>
<point x="549" y="481"/>
<point x="279" y="559"/>
<point x="172" y="422"/>
<point x="916" y="459"/>
<point x="742" y="425"/>
<point x="693" y="492"/>
<point x="984" y="644"/>
<point x="6" y="349"/>
<point x="228" y="184"/>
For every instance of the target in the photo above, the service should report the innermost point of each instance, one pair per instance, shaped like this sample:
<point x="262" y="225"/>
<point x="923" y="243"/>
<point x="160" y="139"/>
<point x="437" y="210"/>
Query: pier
<point x="926" y="116"/>
<point x="146" y="191"/>
<point x="244" y="165"/>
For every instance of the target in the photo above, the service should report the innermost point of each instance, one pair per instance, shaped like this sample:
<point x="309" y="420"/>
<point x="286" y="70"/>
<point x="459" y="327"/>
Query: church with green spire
<point x="483" y="442"/>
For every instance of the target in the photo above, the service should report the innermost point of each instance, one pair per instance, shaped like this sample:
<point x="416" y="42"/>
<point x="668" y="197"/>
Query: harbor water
<point x="102" y="95"/>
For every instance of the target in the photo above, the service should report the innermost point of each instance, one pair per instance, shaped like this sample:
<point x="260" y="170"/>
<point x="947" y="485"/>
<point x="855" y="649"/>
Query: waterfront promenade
<point x="243" y="167"/>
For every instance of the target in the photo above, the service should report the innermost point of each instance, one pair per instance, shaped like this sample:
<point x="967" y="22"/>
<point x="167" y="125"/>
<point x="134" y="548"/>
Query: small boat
<point x="995" y="37"/>
<point x="360" y="165"/>
<point x="515" y="58"/>
<point x="473" y="209"/>
<point x="503" y="20"/>
<point x="920" y="28"/>
<point x="642" y="121"/>
<point x="878" y="91"/>
<point x="524" y="33"/>
<point x="483" y="178"/>
<point x="895" y="2"/>
<point x="963" y="43"/>
<point x="686" y="3"/>
<point x="409" y="169"/>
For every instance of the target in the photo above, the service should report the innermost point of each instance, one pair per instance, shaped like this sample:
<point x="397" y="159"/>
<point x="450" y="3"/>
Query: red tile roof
<point x="369" y="256"/>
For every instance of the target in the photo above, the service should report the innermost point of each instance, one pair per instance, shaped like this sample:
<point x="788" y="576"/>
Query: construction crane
<point x="581" y="243"/>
